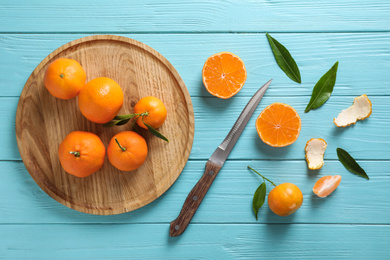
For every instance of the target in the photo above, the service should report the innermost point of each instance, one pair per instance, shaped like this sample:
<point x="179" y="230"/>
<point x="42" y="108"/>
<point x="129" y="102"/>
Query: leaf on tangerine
<point x="122" y="122"/>
<point x="124" y="117"/>
<point x="259" y="198"/>
<point x="111" y="123"/>
<point x="155" y="132"/>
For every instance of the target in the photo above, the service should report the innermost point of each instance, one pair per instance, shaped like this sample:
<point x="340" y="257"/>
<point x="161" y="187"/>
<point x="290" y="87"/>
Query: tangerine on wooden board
<point x="326" y="185"/>
<point x="278" y="125"/>
<point x="81" y="153"/>
<point x="64" y="78"/>
<point x="127" y="151"/>
<point x="155" y="110"/>
<point x="285" y="199"/>
<point x="100" y="100"/>
<point x="224" y="74"/>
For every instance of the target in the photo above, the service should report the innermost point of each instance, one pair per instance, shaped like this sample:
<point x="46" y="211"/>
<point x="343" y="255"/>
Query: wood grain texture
<point x="194" y="16"/>
<point x="363" y="57"/>
<point x="228" y="201"/>
<point x="43" y="121"/>
<point x="201" y="241"/>
<point x="215" y="117"/>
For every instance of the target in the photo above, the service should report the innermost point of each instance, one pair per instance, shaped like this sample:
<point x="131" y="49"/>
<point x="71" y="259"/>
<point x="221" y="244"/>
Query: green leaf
<point x="155" y="132"/>
<point x="259" y="198"/>
<point x="124" y="117"/>
<point x="284" y="59"/>
<point x="323" y="89"/>
<point x="122" y="122"/>
<point x="111" y="123"/>
<point x="350" y="164"/>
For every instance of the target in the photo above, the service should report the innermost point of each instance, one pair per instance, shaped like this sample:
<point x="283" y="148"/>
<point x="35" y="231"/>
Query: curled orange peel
<point x="361" y="109"/>
<point x="314" y="153"/>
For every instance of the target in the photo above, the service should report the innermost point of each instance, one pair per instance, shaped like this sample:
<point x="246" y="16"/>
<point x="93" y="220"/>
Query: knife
<point x="214" y="165"/>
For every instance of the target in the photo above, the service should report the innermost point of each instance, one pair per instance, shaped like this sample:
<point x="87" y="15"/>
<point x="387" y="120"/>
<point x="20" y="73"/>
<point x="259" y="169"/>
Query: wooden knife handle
<point x="194" y="199"/>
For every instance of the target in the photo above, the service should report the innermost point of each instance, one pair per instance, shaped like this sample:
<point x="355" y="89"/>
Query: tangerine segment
<point x="100" y="100"/>
<point x="285" y="199"/>
<point x="326" y="185"/>
<point x="155" y="109"/>
<point x="127" y="151"/>
<point x="64" y="78"/>
<point x="278" y="125"/>
<point x="224" y="74"/>
<point x="81" y="153"/>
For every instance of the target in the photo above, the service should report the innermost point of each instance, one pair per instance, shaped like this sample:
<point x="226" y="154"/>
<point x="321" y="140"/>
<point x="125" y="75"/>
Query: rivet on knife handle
<point x="194" y="199"/>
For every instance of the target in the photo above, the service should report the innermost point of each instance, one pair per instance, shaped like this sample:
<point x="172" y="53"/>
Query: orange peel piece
<point x="361" y="109"/>
<point x="326" y="185"/>
<point x="315" y="149"/>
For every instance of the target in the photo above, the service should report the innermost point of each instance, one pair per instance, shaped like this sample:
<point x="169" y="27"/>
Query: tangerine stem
<point x="264" y="178"/>
<point x="62" y="75"/>
<point x="77" y="154"/>
<point x="146" y="113"/>
<point x="120" y="146"/>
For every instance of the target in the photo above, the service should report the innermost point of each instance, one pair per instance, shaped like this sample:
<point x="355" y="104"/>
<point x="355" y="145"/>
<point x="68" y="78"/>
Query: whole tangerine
<point x="81" y="153"/>
<point x="154" y="110"/>
<point x="100" y="100"/>
<point x="127" y="151"/>
<point x="285" y="199"/>
<point x="64" y="78"/>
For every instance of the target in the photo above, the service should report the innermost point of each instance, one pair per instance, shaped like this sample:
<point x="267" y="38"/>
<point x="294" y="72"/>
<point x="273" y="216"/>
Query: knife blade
<point x="214" y="165"/>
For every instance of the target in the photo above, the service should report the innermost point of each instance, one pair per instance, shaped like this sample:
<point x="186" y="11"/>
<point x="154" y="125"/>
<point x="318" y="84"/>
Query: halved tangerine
<point x="278" y="125"/>
<point x="224" y="74"/>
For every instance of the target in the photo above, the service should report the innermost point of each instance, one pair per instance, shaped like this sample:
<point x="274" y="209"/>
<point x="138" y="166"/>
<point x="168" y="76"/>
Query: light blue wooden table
<point x="352" y="223"/>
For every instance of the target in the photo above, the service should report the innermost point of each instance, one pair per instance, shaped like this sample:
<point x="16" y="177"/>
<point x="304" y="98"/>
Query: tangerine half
<point x="278" y="125"/>
<point x="224" y="74"/>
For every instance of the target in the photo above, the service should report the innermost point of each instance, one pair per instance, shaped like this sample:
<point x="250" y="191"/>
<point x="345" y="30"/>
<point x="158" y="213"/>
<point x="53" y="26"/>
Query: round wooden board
<point x="43" y="121"/>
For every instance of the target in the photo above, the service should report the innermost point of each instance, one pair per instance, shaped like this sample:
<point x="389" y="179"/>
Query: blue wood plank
<point x="368" y="139"/>
<point x="364" y="59"/>
<point x="201" y="241"/>
<point x="352" y="223"/>
<point x="193" y="16"/>
<point x="229" y="200"/>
